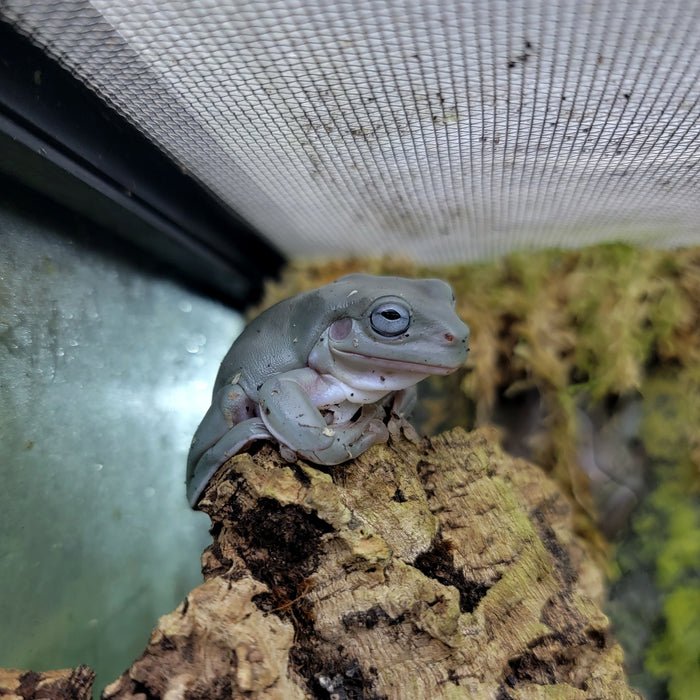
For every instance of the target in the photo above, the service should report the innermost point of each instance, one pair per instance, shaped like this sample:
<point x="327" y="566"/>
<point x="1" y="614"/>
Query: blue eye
<point x="390" y="319"/>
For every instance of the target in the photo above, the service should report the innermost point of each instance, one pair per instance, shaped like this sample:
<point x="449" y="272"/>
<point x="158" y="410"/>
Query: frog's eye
<point x="390" y="319"/>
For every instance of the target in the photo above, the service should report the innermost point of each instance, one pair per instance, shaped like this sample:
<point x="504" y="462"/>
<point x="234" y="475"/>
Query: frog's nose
<point x="456" y="339"/>
<point x="457" y="334"/>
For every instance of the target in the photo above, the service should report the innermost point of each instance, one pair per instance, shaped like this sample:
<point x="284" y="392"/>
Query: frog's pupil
<point x="391" y="315"/>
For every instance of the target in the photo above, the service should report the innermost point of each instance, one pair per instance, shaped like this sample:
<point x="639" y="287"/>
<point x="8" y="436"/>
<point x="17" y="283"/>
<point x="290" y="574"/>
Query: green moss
<point x="675" y="654"/>
<point x="679" y="560"/>
<point x="667" y="526"/>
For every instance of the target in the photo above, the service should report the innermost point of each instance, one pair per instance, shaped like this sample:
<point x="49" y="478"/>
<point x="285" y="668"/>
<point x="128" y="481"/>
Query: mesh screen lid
<point x="441" y="130"/>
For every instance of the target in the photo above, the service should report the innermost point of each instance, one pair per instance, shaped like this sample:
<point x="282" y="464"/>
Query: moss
<point x="675" y="654"/>
<point x="667" y="526"/>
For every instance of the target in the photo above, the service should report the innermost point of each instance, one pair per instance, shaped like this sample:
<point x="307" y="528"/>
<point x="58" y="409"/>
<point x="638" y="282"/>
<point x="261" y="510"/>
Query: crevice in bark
<point x="438" y="563"/>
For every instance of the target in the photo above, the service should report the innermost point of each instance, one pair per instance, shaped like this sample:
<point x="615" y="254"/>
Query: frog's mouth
<point x="371" y="362"/>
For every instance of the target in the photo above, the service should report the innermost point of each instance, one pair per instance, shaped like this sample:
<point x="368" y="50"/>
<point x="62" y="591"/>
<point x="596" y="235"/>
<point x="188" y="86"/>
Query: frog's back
<point x="278" y="340"/>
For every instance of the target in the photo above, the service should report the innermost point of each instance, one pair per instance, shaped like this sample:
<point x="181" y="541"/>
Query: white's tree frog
<point x="315" y="372"/>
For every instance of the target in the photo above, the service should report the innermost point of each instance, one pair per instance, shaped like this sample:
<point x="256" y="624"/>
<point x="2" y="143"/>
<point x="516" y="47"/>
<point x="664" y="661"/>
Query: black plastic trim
<point x="60" y="138"/>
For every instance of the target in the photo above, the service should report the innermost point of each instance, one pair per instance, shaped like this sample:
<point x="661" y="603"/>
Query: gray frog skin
<point x="314" y="372"/>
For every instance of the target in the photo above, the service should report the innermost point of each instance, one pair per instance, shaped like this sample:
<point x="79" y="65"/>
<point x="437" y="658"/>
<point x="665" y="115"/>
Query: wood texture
<point x="66" y="684"/>
<point x="422" y="569"/>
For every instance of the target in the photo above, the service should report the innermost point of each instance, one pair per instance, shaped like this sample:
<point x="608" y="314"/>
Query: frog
<point x="318" y="373"/>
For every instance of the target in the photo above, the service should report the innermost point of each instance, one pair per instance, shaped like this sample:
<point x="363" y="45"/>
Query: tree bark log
<point x="441" y="568"/>
<point x="66" y="684"/>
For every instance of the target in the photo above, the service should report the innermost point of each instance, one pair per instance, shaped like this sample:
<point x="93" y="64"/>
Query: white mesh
<point x="442" y="130"/>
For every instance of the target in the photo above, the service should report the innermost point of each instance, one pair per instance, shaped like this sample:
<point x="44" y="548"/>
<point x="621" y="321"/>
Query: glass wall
<point x="106" y="367"/>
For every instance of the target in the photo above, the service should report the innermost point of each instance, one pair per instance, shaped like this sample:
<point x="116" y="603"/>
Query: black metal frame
<point x="59" y="138"/>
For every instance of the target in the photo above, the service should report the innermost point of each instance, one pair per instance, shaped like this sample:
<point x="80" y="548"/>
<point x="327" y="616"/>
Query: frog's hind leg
<point x="237" y="438"/>
<point x="230" y="424"/>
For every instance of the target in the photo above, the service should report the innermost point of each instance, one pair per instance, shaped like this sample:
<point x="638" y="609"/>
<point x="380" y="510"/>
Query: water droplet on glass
<point x="195" y="343"/>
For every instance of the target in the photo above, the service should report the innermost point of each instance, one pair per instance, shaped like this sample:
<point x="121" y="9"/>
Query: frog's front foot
<point x="348" y="440"/>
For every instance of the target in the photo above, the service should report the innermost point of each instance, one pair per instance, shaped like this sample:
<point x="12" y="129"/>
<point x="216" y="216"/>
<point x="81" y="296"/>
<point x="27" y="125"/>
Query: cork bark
<point x="66" y="684"/>
<point x="422" y="569"/>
